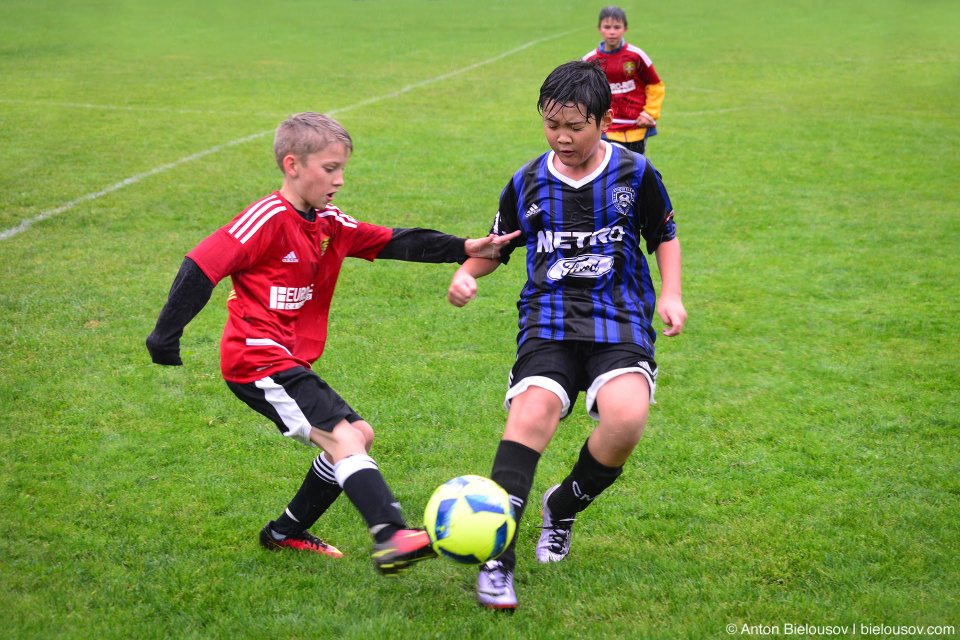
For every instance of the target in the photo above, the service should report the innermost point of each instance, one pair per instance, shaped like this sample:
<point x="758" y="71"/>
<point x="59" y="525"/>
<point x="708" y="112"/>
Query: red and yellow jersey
<point x="284" y="270"/>
<point x="634" y="83"/>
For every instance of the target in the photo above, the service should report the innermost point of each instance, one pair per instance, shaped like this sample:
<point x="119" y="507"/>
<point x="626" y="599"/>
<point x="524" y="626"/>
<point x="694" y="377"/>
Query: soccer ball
<point x="470" y="520"/>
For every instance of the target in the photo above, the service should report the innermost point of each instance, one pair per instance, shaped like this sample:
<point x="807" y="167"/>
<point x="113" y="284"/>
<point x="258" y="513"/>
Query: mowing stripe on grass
<point x="115" y="107"/>
<point x="26" y="224"/>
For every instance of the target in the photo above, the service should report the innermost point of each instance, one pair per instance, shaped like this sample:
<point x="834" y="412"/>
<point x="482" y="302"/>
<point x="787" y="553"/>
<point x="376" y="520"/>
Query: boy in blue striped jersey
<point x="586" y="210"/>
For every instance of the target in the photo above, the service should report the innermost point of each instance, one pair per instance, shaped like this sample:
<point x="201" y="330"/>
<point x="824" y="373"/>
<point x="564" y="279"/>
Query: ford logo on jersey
<point x="588" y="266"/>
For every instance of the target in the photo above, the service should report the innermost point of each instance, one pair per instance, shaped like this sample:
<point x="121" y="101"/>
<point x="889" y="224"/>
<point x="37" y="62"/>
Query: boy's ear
<point x="291" y="165"/>
<point x="606" y="121"/>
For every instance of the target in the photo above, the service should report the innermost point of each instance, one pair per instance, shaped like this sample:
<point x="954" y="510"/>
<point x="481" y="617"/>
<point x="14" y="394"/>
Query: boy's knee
<point x="625" y="418"/>
<point x="624" y="426"/>
<point x="366" y="431"/>
<point x="344" y="440"/>
<point x="624" y="401"/>
<point x="622" y="423"/>
<point x="612" y="442"/>
<point x="534" y="415"/>
<point x="537" y="406"/>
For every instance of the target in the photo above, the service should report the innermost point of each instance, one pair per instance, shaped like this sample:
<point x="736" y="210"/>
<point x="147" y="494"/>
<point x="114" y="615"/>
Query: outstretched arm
<point x="463" y="286"/>
<point x="427" y="245"/>
<point x="190" y="292"/>
<point x="670" y="304"/>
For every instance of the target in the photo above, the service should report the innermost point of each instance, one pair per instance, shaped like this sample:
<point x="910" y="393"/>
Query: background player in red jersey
<point x="636" y="87"/>
<point x="283" y="254"/>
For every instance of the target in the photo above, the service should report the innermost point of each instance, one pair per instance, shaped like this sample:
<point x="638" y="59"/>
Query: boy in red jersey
<point x="283" y="254"/>
<point x="637" y="90"/>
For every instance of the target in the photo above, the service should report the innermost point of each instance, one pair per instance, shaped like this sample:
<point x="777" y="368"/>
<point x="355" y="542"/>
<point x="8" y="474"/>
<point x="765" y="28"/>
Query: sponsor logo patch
<point x="289" y="298"/>
<point x="548" y="241"/>
<point x="617" y="88"/>
<point x="588" y="266"/>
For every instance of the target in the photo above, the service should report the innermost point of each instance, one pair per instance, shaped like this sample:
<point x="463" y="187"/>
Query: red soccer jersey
<point x="284" y="270"/>
<point x="629" y="70"/>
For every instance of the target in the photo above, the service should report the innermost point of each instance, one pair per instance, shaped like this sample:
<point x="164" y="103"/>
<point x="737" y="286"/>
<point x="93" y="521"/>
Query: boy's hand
<point x="644" y="120"/>
<point x="463" y="288"/>
<point x="671" y="311"/>
<point x="488" y="247"/>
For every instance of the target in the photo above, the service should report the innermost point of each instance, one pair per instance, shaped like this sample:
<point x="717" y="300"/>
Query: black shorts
<point x="296" y="399"/>
<point x="567" y="367"/>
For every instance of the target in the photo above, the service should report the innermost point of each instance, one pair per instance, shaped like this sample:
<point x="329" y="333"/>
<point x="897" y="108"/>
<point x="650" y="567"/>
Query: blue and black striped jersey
<point x="587" y="278"/>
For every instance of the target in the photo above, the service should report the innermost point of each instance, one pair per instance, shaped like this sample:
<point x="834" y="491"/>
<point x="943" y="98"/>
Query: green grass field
<point x="800" y="467"/>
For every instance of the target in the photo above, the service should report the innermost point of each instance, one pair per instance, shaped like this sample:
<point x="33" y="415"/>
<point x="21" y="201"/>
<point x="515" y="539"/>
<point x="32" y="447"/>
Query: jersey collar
<point x="576" y="184"/>
<point x="291" y="210"/>
<point x="623" y="43"/>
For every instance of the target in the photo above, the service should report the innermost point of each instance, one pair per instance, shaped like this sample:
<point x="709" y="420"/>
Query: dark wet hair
<point x="577" y="84"/>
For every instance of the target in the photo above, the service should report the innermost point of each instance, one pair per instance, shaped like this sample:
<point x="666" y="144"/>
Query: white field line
<point x="26" y="224"/>
<point x="219" y="112"/>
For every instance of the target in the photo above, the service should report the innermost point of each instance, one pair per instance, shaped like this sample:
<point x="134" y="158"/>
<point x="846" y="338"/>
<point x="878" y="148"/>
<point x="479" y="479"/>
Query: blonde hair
<point x="305" y="133"/>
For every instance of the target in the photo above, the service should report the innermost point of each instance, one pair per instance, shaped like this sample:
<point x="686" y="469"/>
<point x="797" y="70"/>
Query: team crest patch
<point x="623" y="198"/>
<point x="323" y="245"/>
<point x="629" y="68"/>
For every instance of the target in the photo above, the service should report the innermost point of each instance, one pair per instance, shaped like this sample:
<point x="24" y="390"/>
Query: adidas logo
<point x="533" y="210"/>
<point x="290" y="257"/>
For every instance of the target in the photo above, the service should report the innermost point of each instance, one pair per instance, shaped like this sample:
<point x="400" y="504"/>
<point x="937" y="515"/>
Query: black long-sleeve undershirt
<point x="423" y="245"/>
<point x="191" y="288"/>
<point x="189" y="293"/>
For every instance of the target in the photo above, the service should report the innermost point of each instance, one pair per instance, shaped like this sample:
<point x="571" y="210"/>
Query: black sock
<point x="586" y="481"/>
<point x="318" y="491"/>
<point x="514" y="466"/>
<point x="368" y="491"/>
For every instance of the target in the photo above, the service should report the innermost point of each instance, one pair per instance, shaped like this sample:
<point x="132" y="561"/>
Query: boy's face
<point x="573" y="136"/>
<point x="314" y="181"/>
<point x="612" y="33"/>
